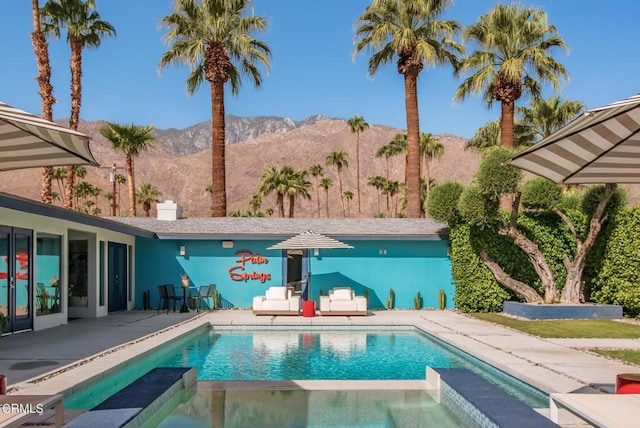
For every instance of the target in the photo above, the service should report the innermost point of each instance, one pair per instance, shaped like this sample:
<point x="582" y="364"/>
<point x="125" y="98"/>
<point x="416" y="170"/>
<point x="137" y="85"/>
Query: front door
<point x="16" y="272"/>
<point x="118" y="275"/>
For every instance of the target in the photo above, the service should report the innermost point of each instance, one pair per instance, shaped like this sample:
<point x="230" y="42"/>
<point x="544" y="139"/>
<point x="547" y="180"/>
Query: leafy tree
<point x="357" y="124"/>
<point x="408" y="30"/>
<point x="214" y="38"/>
<point x="84" y="29"/>
<point x="41" y="51"/>
<point x="325" y="183"/>
<point x="477" y="206"/>
<point x="146" y="194"/>
<point x="339" y="160"/>
<point x="317" y="171"/>
<point x="513" y="58"/>
<point x="130" y="140"/>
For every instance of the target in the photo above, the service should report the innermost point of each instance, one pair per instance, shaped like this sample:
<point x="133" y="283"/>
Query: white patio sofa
<point x="343" y="301"/>
<point x="277" y="301"/>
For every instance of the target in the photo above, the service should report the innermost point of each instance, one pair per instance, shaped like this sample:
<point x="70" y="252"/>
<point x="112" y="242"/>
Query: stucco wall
<point x="405" y="266"/>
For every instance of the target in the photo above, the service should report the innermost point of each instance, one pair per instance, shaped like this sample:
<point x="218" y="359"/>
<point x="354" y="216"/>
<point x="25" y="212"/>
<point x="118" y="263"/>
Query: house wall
<point x="405" y="266"/>
<point x="66" y="229"/>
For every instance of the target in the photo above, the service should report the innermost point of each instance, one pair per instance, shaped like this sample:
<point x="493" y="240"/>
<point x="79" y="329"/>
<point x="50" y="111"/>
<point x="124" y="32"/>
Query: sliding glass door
<point x="16" y="273"/>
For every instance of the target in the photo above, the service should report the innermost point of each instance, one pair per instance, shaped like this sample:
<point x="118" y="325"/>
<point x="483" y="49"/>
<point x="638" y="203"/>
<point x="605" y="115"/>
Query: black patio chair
<point x="204" y="293"/>
<point x="171" y="296"/>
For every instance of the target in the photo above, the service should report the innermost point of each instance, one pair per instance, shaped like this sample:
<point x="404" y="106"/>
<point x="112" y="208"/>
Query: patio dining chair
<point x="204" y="293"/>
<point x="171" y="296"/>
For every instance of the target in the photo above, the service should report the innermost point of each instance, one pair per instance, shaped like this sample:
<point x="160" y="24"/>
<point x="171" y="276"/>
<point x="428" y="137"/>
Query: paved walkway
<point x="57" y="359"/>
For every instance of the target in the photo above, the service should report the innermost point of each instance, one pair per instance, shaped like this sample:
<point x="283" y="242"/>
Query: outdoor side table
<point x="308" y="308"/>
<point x="628" y="383"/>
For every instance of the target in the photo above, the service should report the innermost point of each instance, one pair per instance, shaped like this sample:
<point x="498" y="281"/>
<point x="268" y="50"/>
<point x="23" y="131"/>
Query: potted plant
<point x="185" y="280"/>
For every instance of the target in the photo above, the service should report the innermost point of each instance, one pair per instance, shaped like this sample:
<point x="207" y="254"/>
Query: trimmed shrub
<point x="442" y="203"/>
<point x="494" y="177"/>
<point x="540" y="193"/>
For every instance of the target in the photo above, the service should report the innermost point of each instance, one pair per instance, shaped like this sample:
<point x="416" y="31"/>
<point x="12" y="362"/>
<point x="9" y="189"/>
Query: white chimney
<point x="169" y="210"/>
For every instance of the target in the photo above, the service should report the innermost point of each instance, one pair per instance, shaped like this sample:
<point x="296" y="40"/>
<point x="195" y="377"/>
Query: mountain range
<point x="179" y="163"/>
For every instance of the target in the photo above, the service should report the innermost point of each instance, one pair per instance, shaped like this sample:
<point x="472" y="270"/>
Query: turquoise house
<point x="406" y="255"/>
<point x="57" y="264"/>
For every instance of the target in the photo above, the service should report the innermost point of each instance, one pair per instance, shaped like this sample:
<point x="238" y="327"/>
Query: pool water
<point x="302" y="408"/>
<point x="297" y="354"/>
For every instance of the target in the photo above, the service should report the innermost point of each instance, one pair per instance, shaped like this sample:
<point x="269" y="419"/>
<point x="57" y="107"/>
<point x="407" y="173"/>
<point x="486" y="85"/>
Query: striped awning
<point x="29" y="141"/>
<point x="601" y="146"/>
<point x="309" y="240"/>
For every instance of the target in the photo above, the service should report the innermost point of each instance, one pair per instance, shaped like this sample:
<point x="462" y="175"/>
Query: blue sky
<point x="312" y="70"/>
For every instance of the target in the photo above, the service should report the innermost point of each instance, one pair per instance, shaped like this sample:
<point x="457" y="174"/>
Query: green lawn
<point x="567" y="329"/>
<point x="629" y="355"/>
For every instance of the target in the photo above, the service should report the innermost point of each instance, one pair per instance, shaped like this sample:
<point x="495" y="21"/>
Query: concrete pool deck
<point x="57" y="359"/>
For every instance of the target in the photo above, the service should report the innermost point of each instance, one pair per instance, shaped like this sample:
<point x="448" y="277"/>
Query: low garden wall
<point x="557" y="311"/>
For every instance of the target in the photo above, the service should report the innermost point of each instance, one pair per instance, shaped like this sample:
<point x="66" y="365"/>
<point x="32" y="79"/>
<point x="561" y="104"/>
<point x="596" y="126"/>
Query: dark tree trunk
<point x="413" y="144"/>
<point x="218" y="173"/>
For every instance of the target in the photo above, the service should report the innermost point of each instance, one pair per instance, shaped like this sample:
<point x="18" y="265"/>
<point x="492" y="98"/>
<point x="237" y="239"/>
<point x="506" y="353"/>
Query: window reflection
<point x="48" y="268"/>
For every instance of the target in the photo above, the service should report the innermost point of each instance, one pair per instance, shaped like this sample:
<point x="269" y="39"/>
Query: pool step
<point x="135" y="403"/>
<point x="482" y="402"/>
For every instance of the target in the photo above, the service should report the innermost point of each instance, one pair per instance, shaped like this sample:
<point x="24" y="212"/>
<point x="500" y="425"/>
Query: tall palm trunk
<point x="413" y="145"/>
<point x="292" y="202"/>
<point x="218" y="179"/>
<point x="386" y="156"/>
<point x="280" y="204"/>
<point x="506" y="124"/>
<point x="41" y="50"/>
<point x="318" y="195"/>
<point x="341" y="193"/>
<point x="358" y="172"/>
<point x="326" y="191"/>
<point x="74" y="120"/>
<point x="132" y="186"/>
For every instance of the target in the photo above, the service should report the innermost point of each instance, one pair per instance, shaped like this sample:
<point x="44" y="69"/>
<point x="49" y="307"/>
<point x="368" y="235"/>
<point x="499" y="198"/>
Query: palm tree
<point x="84" y="29"/>
<point x="146" y="194"/>
<point x="130" y="140"/>
<point x="357" y="124"/>
<point x="60" y="174"/>
<point x="41" y="51"/>
<point x="430" y="148"/>
<point x="214" y="38"/>
<point x="544" y="117"/>
<point x="296" y="186"/>
<point x="317" y="171"/>
<point x="272" y="181"/>
<point x="120" y="180"/>
<point x="377" y="182"/>
<point x="513" y="59"/>
<point x="325" y="183"/>
<point x="485" y="137"/>
<point x="348" y="195"/>
<point x="392" y="188"/>
<point x="339" y="160"/>
<point x="410" y="31"/>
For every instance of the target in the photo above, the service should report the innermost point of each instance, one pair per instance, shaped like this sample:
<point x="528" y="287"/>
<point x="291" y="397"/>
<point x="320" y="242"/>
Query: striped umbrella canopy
<point x="601" y="146"/>
<point x="29" y="141"/>
<point x="309" y="240"/>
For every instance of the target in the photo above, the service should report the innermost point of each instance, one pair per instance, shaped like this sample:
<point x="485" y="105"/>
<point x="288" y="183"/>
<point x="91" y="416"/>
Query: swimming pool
<point x="298" y="353"/>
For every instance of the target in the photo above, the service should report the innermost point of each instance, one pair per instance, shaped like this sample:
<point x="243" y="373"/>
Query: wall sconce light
<point x="316" y="252"/>
<point x="227" y="244"/>
<point x="183" y="250"/>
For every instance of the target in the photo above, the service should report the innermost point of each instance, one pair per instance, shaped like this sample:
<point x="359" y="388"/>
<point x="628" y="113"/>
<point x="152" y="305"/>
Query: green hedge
<point x="617" y="281"/>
